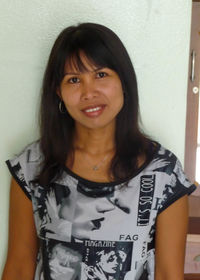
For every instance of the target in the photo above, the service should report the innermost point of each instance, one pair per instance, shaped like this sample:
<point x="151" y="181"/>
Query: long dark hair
<point x="103" y="48"/>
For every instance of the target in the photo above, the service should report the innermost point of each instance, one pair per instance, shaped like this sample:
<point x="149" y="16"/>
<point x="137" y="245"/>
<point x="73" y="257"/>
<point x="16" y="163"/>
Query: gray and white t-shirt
<point x="99" y="231"/>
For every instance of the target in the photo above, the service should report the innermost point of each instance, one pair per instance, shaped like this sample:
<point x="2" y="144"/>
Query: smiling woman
<point x="92" y="97"/>
<point x="95" y="198"/>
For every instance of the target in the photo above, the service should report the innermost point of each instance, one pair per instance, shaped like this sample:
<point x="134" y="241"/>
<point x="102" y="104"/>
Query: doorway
<point x="192" y="147"/>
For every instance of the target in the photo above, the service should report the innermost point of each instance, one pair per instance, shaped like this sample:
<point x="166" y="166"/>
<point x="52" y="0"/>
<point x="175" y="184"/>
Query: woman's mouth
<point x="94" y="111"/>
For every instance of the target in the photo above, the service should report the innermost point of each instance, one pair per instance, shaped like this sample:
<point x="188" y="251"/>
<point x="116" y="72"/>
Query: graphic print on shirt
<point x="87" y="260"/>
<point x="59" y="216"/>
<point x="147" y="185"/>
<point x="55" y="209"/>
<point x="94" y="214"/>
<point x="145" y="268"/>
<point x="17" y="169"/>
<point x="64" y="213"/>
<point x="177" y="183"/>
<point x="33" y="157"/>
<point x="105" y="260"/>
<point x="62" y="260"/>
<point x="87" y="230"/>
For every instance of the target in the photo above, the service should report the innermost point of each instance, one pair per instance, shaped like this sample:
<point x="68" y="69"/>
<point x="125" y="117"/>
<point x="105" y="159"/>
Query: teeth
<point x="93" y="109"/>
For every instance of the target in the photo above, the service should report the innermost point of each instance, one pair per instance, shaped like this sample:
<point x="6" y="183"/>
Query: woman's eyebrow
<point x="99" y="68"/>
<point x="71" y="73"/>
<point x="79" y="73"/>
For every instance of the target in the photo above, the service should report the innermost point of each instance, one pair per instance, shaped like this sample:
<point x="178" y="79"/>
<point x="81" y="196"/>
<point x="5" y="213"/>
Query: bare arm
<point x="171" y="231"/>
<point x="23" y="243"/>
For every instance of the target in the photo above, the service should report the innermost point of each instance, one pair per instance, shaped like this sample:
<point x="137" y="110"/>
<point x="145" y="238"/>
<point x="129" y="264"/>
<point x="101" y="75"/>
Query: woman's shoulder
<point x="25" y="166"/>
<point x="28" y="161"/>
<point x="172" y="182"/>
<point x="31" y="153"/>
<point x="164" y="160"/>
<point x="164" y="155"/>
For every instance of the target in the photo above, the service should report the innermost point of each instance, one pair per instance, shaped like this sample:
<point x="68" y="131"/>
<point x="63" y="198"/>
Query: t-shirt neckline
<point x="113" y="183"/>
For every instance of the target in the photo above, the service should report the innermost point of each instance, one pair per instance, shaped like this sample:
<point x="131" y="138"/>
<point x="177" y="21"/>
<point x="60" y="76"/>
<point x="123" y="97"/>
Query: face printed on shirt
<point x="91" y="213"/>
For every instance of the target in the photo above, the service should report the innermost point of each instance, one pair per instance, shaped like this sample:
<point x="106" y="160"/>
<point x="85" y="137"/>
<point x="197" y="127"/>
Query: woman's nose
<point x="105" y="206"/>
<point x="88" y="89"/>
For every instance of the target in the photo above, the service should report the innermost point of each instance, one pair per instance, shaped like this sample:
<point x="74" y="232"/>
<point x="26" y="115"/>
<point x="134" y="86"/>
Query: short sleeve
<point x="23" y="167"/>
<point x="178" y="186"/>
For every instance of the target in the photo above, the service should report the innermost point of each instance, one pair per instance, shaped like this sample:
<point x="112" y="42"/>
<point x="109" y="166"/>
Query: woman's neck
<point x="94" y="141"/>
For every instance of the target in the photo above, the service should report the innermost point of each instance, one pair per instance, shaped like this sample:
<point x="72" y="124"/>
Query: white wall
<point x="156" y="34"/>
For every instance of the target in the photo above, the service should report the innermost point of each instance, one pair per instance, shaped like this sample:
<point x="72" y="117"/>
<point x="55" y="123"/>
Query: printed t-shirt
<point x="98" y="231"/>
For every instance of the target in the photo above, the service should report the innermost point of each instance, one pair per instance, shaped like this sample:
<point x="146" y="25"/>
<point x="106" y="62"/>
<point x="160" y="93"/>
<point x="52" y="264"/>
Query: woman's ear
<point x="58" y="92"/>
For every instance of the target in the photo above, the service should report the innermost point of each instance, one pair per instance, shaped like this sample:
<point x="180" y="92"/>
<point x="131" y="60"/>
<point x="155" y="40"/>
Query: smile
<point x="93" y="112"/>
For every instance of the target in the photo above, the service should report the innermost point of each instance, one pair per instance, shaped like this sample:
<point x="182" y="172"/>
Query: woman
<point x="106" y="264"/>
<point x="93" y="180"/>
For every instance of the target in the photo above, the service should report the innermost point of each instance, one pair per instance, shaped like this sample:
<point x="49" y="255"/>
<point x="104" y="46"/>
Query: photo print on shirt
<point x="90" y="260"/>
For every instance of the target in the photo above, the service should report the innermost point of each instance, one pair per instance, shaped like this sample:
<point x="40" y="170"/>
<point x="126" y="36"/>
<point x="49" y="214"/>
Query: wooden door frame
<point x="191" y="132"/>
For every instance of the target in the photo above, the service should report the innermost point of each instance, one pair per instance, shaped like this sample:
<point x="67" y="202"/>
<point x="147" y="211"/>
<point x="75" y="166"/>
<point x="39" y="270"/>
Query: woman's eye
<point x="74" y="80"/>
<point x="101" y="74"/>
<point x="111" y="259"/>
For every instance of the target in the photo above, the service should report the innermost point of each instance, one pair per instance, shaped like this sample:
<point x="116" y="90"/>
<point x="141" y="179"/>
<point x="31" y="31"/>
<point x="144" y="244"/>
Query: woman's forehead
<point x="79" y="62"/>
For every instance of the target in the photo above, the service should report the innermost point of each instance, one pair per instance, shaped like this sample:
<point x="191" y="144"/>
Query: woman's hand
<point x="95" y="272"/>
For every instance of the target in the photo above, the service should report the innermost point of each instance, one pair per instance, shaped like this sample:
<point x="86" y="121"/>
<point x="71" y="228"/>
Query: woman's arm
<point x="23" y="243"/>
<point x="171" y="231"/>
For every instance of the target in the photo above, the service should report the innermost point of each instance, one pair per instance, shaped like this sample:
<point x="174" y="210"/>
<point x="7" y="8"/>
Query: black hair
<point x="103" y="48"/>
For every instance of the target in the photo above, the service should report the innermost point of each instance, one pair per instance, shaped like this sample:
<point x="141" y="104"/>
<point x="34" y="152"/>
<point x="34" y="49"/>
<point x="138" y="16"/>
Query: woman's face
<point x="89" y="215"/>
<point x="93" y="97"/>
<point x="109" y="262"/>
